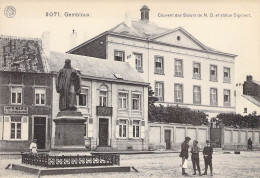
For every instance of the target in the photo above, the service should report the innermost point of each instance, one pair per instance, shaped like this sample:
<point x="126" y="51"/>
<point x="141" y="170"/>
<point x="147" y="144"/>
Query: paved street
<point x="162" y="165"/>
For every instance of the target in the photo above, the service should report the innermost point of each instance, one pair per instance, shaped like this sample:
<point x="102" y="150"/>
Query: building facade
<point x="26" y="93"/>
<point x="113" y="99"/>
<point x="181" y="70"/>
<point x="248" y="97"/>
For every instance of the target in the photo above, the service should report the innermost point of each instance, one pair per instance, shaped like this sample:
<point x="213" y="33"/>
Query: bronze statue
<point x="68" y="84"/>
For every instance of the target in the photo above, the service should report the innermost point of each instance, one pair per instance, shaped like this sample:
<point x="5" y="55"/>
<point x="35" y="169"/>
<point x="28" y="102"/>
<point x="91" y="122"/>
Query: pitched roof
<point x="96" y="68"/>
<point x="253" y="99"/>
<point x="256" y="82"/>
<point x="139" y="28"/>
<point x="143" y="29"/>
<point x="21" y="54"/>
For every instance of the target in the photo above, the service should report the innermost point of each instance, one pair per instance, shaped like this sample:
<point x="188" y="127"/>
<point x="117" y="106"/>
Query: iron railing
<point x="45" y="160"/>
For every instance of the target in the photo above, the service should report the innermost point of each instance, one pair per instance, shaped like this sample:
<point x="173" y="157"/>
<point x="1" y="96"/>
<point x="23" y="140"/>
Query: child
<point x="185" y="154"/>
<point x="33" y="146"/>
<point x="195" y="157"/>
<point x="207" y="152"/>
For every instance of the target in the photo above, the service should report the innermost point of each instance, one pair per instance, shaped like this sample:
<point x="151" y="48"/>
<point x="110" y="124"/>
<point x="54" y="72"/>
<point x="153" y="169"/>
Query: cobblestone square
<point x="241" y="165"/>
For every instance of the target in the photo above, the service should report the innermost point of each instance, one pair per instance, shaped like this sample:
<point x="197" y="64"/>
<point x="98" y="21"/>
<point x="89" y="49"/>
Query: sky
<point x="240" y="36"/>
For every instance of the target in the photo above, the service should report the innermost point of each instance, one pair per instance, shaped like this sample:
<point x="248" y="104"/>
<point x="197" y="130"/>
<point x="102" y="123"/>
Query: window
<point x="213" y="73"/>
<point x="16" y="127"/>
<point x="136" y="129"/>
<point x="16" y="95"/>
<point x="122" y="128"/>
<point x="226" y="75"/>
<point x="122" y="103"/>
<point x="178" y="68"/>
<point x="245" y="110"/>
<point x="139" y="62"/>
<point x="196" y="95"/>
<point x="40" y="95"/>
<point x="178" y="93"/>
<point x="196" y="70"/>
<point x="213" y="97"/>
<point x="83" y="97"/>
<point x="120" y="56"/>
<point x="103" y="98"/>
<point x="226" y="97"/>
<point x="158" y="65"/>
<point x="159" y="91"/>
<point x="136" y="102"/>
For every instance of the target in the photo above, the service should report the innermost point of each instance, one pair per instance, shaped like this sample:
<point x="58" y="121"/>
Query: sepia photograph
<point x="141" y="88"/>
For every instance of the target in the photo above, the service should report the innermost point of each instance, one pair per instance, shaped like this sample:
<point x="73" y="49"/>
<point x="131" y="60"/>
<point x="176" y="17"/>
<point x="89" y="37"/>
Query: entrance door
<point x="167" y="138"/>
<point x="103" y="132"/>
<point x="40" y="131"/>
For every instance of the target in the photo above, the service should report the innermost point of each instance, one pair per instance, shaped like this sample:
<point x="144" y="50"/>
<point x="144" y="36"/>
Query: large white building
<point x="181" y="70"/>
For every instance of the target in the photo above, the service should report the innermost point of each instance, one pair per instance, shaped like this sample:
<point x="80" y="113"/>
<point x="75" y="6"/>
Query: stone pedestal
<point x="69" y="131"/>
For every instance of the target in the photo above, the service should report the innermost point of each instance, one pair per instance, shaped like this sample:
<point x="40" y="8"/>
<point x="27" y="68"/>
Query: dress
<point x="33" y="147"/>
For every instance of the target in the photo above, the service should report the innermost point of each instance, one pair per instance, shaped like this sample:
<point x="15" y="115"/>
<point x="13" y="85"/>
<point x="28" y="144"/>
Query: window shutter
<point x="1" y="127"/>
<point x="130" y="129"/>
<point x="117" y="128"/>
<point x="7" y="127"/>
<point x="90" y="127"/>
<point x="24" y="129"/>
<point x="143" y="129"/>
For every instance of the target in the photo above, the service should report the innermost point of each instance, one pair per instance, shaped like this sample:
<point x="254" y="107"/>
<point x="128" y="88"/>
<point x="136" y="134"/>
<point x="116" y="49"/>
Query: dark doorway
<point x="167" y="138"/>
<point x="40" y="131"/>
<point x="103" y="132"/>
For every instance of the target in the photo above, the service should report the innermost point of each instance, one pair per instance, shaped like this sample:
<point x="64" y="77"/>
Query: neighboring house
<point x="181" y="70"/>
<point x="248" y="97"/>
<point x="113" y="99"/>
<point x="25" y="90"/>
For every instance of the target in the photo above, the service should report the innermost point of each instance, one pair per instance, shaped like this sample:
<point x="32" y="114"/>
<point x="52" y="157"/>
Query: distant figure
<point x="195" y="150"/>
<point x="249" y="144"/>
<point x="68" y="85"/>
<point x="185" y="154"/>
<point x="33" y="146"/>
<point x="207" y="153"/>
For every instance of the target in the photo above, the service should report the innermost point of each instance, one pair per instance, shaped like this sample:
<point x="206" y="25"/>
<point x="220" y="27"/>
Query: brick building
<point x="25" y="87"/>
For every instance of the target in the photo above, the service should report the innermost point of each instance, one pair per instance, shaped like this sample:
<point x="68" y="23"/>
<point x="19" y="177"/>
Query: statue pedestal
<point x="69" y="132"/>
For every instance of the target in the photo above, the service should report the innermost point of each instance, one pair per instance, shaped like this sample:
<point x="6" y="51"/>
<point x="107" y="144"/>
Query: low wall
<point x="233" y="138"/>
<point x="161" y="133"/>
<point x="13" y="146"/>
<point x="129" y="144"/>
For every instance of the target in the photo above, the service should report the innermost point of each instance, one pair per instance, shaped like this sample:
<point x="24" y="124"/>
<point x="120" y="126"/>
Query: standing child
<point x="195" y="157"/>
<point x="185" y="154"/>
<point x="207" y="152"/>
<point x="33" y="146"/>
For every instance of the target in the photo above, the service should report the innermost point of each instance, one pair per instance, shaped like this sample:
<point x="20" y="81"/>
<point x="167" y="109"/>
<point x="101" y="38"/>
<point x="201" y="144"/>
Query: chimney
<point x="145" y="13"/>
<point x="46" y="43"/>
<point x="73" y="39"/>
<point x="249" y="78"/>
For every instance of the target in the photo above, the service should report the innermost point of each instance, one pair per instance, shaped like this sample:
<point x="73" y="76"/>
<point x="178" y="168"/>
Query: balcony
<point x="104" y="111"/>
<point x="213" y="78"/>
<point x="196" y="76"/>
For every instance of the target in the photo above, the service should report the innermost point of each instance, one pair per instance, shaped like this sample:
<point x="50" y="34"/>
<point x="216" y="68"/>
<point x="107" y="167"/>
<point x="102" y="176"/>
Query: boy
<point x="207" y="152"/>
<point x="185" y="154"/>
<point x="195" y="157"/>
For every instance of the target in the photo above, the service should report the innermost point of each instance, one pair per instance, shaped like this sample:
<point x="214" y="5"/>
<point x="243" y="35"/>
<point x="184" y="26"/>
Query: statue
<point x="68" y="85"/>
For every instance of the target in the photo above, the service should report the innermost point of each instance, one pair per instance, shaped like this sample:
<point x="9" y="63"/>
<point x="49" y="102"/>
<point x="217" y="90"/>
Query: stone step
<point x="104" y="149"/>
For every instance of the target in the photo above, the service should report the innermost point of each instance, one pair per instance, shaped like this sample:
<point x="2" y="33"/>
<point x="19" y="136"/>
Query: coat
<point x="184" y="150"/>
<point x="68" y="84"/>
<point x="195" y="152"/>
<point x="207" y="152"/>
